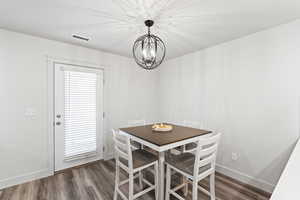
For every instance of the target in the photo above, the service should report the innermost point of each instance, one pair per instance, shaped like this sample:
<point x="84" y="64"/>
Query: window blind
<point x="80" y="109"/>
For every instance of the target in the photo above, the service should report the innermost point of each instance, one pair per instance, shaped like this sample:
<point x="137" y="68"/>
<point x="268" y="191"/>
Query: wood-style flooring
<point x="96" y="182"/>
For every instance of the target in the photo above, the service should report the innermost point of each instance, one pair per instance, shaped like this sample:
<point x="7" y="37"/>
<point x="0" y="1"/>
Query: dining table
<point x="162" y="142"/>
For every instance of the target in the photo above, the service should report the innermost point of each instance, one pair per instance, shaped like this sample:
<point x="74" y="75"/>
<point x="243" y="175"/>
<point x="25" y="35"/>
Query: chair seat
<point x="140" y="158"/>
<point x="185" y="162"/>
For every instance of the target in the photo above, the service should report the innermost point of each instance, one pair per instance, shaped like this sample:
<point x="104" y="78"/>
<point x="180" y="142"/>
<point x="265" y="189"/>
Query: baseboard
<point x="5" y="183"/>
<point x="244" y="178"/>
<point x="109" y="156"/>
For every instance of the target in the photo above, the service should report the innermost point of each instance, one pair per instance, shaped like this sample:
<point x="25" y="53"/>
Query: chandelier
<point x="149" y="50"/>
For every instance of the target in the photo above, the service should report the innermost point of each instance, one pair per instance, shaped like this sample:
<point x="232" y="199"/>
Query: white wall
<point x="130" y="93"/>
<point x="248" y="89"/>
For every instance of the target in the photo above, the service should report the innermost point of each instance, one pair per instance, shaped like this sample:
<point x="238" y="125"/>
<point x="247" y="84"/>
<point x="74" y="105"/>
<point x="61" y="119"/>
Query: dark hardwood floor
<point x="96" y="182"/>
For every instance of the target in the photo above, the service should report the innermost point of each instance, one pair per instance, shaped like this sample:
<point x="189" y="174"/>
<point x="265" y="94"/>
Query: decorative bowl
<point x="162" y="127"/>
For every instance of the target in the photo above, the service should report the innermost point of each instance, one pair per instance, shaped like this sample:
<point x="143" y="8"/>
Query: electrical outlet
<point x="30" y="113"/>
<point x="235" y="156"/>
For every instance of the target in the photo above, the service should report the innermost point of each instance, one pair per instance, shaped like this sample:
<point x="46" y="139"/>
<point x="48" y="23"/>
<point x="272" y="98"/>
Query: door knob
<point x="58" y="123"/>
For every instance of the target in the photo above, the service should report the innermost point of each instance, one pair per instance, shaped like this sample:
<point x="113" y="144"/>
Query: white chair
<point x="139" y="122"/>
<point x="191" y="147"/>
<point x="133" y="162"/>
<point x="194" y="167"/>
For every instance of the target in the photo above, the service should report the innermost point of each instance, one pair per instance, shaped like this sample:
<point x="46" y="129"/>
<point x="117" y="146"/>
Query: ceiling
<point x="113" y="25"/>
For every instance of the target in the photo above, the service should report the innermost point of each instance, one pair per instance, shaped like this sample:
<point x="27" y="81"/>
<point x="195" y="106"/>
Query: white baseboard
<point x="109" y="156"/>
<point x="258" y="183"/>
<point x="5" y="183"/>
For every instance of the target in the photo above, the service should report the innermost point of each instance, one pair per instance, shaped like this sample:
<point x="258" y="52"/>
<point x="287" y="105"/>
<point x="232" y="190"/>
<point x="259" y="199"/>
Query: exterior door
<point x="78" y="115"/>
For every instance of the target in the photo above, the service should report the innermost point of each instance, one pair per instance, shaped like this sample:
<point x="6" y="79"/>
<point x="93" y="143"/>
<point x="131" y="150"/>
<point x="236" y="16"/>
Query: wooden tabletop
<point x="178" y="133"/>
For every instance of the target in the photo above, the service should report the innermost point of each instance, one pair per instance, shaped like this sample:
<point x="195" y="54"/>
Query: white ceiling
<point x="113" y="25"/>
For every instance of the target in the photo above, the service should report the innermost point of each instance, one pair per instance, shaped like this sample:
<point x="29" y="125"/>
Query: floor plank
<point x="96" y="182"/>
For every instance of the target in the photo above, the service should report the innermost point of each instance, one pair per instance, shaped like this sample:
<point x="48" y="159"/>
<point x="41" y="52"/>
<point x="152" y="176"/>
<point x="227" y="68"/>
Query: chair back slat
<point x="121" y="153"/>
<point x="205" y="161"/>
<point x="210" y="140"/>
<point x="121" y="146"/>
<point x="119" y="137"/>
<point x="208" y="151"/>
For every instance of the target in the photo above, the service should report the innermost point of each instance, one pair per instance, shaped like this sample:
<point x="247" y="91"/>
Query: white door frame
<point x="51" y="99"/>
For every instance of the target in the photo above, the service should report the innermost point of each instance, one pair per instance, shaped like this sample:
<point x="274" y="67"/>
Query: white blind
<point x="80" y="113"/>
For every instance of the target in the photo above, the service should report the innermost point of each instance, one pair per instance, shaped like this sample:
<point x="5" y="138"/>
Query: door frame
<point x="51" y="104"/>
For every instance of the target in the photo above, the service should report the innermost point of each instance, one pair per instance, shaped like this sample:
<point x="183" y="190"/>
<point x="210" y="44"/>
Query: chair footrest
<point x="204" y="190"/>
<point x="127" y="180"/>
<point x="147" y="182"/>
<point x="201" y="189"/>
<point x="176" y="195"/>
<point x="143" y="192"/>
<point x="178" y="187"/>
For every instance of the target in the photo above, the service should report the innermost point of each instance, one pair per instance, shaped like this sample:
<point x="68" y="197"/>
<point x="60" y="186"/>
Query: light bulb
<point x="153" y="53"/>
<point x="148" y="53"/>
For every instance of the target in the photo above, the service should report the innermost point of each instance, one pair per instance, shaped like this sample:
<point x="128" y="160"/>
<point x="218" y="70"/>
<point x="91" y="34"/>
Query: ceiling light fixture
<point x="149" y="50"/>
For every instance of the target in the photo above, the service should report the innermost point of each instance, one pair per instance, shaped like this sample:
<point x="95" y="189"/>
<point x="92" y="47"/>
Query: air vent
<point x="78" y="37"/>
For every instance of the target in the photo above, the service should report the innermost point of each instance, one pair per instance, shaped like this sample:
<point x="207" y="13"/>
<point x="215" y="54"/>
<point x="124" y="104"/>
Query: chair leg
<point x="212" y="187"/>
<point x="141" y="179"/>
<point x="168" y="183"/>
<point x="130" y="195"/>
<point x="116" y="182"/>
<point x="156" y="180"/>
<point x="195" y="190"/>
<point x="186" y="187"/>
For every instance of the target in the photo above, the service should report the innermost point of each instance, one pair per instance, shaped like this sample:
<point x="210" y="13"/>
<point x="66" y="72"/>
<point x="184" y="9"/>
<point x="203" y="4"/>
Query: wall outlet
<point x="30" y="113"/>
<point x="235" y="156"/>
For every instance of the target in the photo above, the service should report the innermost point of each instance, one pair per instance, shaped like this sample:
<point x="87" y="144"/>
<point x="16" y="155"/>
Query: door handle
<point x="58" y="116"/>
<point x="58" y="123"/>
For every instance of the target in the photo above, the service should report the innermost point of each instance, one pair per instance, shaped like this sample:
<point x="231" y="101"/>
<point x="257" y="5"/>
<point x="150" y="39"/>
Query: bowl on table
<point x="162" y="127"/>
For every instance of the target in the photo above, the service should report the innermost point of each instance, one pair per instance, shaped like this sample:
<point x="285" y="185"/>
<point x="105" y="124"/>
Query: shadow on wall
<point x="277" y="164"/>
<point x="264" y="176"/>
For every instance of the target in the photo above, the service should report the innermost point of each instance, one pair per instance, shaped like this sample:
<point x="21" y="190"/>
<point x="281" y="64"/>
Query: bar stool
<point x="195" y="167"/>
<point x="133" y="162"/>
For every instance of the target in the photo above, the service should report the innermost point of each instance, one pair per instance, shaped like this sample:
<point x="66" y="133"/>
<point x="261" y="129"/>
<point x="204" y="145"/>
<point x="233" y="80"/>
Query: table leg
<point x="161" y="173"/>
